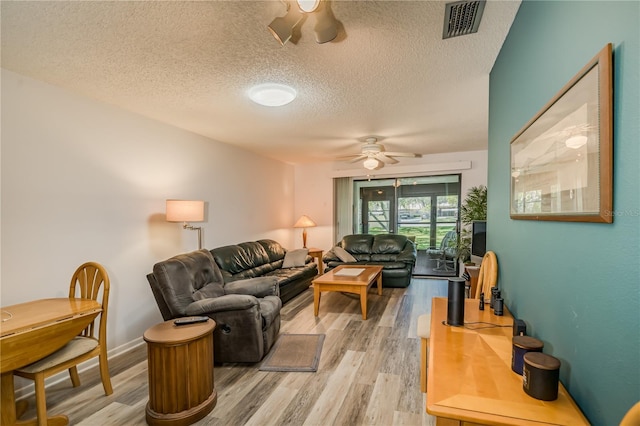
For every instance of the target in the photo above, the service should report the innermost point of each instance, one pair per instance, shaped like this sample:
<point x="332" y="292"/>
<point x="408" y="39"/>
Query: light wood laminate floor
<point x="368" y="374"/>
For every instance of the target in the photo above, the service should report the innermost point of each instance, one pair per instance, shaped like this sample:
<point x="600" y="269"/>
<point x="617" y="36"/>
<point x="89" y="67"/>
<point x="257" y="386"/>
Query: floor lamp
<point x="187" y="211"/>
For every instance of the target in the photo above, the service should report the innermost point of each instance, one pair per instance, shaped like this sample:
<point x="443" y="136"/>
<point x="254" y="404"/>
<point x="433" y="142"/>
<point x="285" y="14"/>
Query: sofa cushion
<point x="343" y="255"/>
<point x="389" y="265"/>
<point x="273" y="249"/>
<point x="287" y="275"/>
<point x="269" y="309"/>
<point x="388" y="244"/>
<point x="241" y="257"/>
<point x="187" y="277"/>
<point x="258" y="287"/>
<point x="357" y="244"/>
<point x="295" y="258"/>
<point x="385" y="257"/>
<point x="214" y="289"/>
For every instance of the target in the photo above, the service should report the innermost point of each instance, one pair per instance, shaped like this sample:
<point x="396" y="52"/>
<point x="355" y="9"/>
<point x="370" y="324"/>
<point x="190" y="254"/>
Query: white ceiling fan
<point x="374" y="155"/>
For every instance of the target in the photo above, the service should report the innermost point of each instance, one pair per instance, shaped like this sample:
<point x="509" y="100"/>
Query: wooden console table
<point x="29" y="332"/>
<point x="470" y="378"/>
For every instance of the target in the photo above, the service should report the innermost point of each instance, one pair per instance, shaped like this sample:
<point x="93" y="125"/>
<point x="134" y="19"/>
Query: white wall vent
<point x="462" y="17"/>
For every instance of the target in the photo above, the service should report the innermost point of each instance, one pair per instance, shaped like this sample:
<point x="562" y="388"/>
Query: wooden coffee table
<point x="354" y="279"/>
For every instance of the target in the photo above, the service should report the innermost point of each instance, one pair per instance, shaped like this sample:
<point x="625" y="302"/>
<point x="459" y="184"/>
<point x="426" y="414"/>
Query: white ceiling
<point x="188" y="63"/>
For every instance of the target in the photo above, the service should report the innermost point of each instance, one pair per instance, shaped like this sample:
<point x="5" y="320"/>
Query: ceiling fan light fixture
<point x="370" y="163"/>
<point x="326" y="28"/>
<point x="272" y="94"/>
<point x="282" y="27"/>
<point x="308" y="6"/>
<point x="281" y="30"/>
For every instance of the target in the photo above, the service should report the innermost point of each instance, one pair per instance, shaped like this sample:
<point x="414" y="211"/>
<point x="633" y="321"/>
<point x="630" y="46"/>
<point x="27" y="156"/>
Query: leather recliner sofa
<point x="246" y="312"/>
<point x="396" y="253"/>
<point x="265" y="258"/>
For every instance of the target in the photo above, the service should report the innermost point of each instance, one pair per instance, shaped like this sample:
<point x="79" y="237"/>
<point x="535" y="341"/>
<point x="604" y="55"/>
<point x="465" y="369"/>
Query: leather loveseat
<point x="396" y="253"/>
<point x="265" y="258"/>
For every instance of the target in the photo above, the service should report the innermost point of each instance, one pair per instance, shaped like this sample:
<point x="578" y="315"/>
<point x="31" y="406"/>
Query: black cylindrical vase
<point x="455" y="304"/>
<point x="540" y="374"/>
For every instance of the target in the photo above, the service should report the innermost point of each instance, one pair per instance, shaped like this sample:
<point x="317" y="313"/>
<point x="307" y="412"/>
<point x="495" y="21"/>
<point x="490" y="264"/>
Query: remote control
<point x="190" y="320"/>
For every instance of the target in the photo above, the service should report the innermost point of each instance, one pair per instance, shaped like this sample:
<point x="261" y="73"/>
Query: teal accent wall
<point x="576" y="285"/>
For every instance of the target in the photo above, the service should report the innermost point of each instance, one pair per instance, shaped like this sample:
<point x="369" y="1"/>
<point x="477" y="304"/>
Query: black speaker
<point x="455" y="304"/>
<point x="519" y="327"/>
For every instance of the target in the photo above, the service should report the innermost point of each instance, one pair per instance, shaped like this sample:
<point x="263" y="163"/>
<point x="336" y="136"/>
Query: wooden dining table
<point x="29" y="332"/>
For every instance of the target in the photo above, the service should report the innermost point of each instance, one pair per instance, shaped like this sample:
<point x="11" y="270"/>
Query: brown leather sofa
<point x="264" y="258"/>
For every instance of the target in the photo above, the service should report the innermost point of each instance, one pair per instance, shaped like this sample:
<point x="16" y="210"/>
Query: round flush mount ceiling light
<point x="575" y="142"/>
<point x="272" y="94"/>
<point x="308" y="5"/>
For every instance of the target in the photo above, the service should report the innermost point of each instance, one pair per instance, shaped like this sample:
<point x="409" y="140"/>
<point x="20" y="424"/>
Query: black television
<point x="479" y="238"/>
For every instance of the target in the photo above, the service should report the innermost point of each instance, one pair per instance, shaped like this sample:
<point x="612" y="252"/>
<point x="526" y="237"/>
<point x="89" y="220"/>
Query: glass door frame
<point x="380" y="194"/>
<point x="394" y="189"/>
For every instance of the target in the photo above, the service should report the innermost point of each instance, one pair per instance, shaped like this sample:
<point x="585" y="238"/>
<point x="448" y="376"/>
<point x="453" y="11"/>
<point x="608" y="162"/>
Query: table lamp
<point x="186" y="211"/>
<point x="304" y="222"/>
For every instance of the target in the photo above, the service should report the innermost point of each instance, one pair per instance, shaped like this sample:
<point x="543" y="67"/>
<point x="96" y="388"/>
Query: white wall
<point x="83" y="180"/>
<point x="314" y="185"/>
<point x="314" y="197"/>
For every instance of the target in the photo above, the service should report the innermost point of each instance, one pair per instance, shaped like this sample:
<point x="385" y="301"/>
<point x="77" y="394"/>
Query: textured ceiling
<point x="389" y="73"/>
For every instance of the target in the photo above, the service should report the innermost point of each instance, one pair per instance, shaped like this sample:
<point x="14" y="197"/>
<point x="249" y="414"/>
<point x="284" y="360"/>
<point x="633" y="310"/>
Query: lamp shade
<point x="304" y="222"/>
<point x="185" y="211"/>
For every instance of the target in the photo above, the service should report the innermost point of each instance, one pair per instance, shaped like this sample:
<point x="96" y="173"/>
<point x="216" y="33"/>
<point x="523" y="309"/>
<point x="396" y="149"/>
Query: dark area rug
<point x="294" y="352"/>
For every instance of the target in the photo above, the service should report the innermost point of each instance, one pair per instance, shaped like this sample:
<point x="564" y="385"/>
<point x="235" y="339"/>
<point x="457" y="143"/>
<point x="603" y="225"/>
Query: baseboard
<point x="24" y="388"/>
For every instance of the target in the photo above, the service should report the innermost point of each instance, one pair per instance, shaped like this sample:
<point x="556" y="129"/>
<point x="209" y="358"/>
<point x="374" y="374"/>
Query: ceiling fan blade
<point x="358" y="158"/>
<point x="382" y="157"/>
<point x="326" y="27"/>
<point x="400" y="154"/>
<point x="351" y="158"/>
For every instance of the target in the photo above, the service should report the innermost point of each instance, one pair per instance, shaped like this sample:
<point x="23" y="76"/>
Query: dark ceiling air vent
<point x="462" y="17"/>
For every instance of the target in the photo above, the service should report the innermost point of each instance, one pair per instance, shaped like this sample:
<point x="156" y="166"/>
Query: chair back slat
<point x="91" y="281"/>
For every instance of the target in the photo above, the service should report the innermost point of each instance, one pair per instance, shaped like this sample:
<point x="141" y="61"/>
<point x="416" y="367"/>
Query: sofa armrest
<point x="228" y="302"/>
<point x="408" y="253"/>
<point x="258" y="287"/>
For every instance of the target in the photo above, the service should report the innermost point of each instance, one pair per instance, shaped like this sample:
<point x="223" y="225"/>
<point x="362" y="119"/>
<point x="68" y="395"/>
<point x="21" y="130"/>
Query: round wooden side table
<point x="181" y="389"/>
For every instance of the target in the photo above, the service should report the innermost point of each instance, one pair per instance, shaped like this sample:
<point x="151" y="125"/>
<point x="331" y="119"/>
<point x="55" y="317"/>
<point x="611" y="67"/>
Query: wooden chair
<point x="90" y="281"/>
<point x="488" y="275"/>
<point x="424" y="332"/>
<point x="632" y="418"/>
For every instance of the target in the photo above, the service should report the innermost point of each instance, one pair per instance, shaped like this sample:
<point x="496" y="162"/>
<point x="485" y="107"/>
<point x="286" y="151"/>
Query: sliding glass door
<point x="425" y="209"/>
